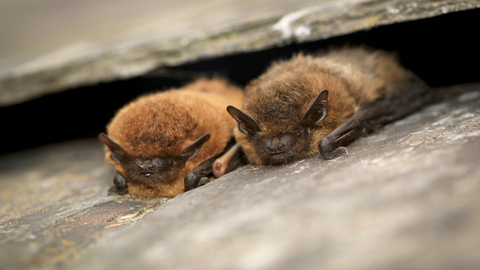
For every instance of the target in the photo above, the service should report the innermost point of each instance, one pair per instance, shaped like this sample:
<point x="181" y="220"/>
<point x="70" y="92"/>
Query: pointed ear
<point x="191" y="150"/>
<point x="317" y="111"/>
<point x="117" y="149"/>
<point x="246" y="124"/>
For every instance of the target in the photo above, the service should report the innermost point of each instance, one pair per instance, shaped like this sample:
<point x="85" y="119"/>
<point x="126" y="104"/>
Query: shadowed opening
<point x="442" y="50"/>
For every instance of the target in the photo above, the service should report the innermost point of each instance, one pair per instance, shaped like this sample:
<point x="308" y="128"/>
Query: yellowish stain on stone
<point x="253" y="168"/>
<point x="371" y="21"/>
<point x="127" y="217"/>
<point x="34" y="243"/>
<point x="51" y="249"/>
<point x="435" y="134"/>
<point x="415" y="142"/>
<point x="66" y="243"/>
<point x="114" y="225"/>
<point x="367" y="23"/>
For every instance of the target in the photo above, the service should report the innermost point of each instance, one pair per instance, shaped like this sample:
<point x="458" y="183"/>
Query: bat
<point x="228" y="161"/>
<point x="165" y="143"/>
<point x="317" y="104"/>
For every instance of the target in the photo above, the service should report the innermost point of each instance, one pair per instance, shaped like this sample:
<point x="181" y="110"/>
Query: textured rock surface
<point x="53" y="204"/>
<point x="59" y="45"/>
<point x="405" y="198"/>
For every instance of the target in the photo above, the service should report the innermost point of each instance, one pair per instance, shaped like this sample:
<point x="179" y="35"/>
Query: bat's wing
<point x="404" y="100"/>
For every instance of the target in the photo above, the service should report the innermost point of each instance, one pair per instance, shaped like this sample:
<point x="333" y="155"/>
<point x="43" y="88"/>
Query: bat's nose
<point x="146" y="168"/>
<point x="275" y="146"/>
<point x="280" y="144"/>
<point x="143" y="167"/>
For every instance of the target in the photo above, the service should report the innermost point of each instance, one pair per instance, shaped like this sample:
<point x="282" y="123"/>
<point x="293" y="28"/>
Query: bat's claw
<point x="203" y="181"/>
<point x="193" y="181"/>
<point x="339" y="152"/>
<point x="196" y="177"/>
<point x="331" y="148"/>
<point x="114" y="191"/>
<point x="120" y="186"/>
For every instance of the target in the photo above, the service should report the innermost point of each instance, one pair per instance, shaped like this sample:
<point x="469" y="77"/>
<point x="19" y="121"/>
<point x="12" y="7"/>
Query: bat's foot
<point x="339" y="152"/>
<point x="120" y="186"/>
<point x="193" y="181"/>
<point x="329" y="150"/>
<point x="114" y="191"/>
<point x="199" y="175"/>
<point x="203" y="181"/>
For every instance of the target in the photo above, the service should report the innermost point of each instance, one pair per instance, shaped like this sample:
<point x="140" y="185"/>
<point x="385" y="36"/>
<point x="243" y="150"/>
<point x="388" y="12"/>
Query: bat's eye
<point x="170" y="162"/>
<point x="299" y="134"/>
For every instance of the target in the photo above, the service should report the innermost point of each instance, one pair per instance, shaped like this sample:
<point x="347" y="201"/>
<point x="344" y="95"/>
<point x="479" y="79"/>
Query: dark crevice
<point x="442" y="50"/>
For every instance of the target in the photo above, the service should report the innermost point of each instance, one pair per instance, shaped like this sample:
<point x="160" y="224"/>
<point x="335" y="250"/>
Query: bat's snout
<point x="279" y="145"/>
<point x="276" y="149"/>
<point x="148" y="168"/>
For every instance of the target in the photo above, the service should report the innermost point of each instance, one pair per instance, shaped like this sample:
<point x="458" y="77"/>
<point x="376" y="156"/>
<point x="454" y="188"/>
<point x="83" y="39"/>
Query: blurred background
<point x="66" y="66"/>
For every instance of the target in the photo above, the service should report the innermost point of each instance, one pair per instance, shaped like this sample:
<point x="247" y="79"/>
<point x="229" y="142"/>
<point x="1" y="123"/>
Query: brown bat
<point x="315" y="104"/>
<point x="156" y="140"/>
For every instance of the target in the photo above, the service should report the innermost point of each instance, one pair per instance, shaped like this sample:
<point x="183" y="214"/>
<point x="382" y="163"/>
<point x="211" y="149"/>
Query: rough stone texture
<point x="53" y="204"/>
<point x="59" y="45"/>
<point x="406" y="197"/>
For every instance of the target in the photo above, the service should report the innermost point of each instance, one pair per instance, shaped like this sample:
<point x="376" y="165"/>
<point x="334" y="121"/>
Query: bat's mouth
<point x="277" y="157"/>
<point x="147" y="174"/>
<point x="273" y="153"/>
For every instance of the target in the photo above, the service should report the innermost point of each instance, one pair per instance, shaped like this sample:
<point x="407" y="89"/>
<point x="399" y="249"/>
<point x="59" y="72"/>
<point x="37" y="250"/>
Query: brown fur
<point x="278" y="98"/>
<point x="162" y="124"/>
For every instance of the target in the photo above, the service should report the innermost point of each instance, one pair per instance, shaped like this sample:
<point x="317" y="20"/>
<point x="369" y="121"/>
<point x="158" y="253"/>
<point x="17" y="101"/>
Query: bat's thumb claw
<point x="339" y="152"/>
<point x="191" y="181"/>
<point x="203" y="181"/>
<point x="113" y="190"/>
<point x="344" y="149"/>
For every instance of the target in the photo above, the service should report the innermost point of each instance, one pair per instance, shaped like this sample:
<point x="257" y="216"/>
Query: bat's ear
<point x="246" y="124"/>
<point x="317" y="111"/>
<point x="117" y="149"/>
<point x="191" y="150"/>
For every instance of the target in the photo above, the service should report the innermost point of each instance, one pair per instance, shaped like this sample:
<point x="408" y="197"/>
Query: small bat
<point x="156" y="140"/>
<point x="315" y="104"/>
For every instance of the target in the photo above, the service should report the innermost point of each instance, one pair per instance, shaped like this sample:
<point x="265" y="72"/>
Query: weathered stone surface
<point x="54" y="204"/>
<point x="406" y="197"/>
<point x="64" y="49"/>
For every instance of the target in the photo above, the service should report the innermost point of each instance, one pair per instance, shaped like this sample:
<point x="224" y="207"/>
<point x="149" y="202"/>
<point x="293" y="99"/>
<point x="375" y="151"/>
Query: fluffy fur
<point x="278" y="99"/>
<point x="160" y="125"/>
